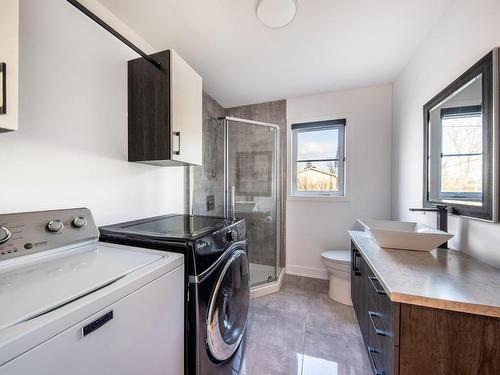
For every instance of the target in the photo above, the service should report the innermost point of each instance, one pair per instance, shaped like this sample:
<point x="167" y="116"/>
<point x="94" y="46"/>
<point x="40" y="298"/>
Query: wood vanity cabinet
<point x="405" y="339"/>
<point x="164" y="111"/>
<point x="377" y="316"/>
<point x="9" y="65"/>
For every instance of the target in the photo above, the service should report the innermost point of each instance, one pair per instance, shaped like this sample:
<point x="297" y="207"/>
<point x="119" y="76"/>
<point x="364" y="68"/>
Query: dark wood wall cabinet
<point x="404" y="339"/>
<point x="164" y="111"/>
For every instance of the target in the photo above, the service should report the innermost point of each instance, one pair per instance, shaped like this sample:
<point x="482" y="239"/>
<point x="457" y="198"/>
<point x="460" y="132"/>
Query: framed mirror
<point x="461" y="143"/>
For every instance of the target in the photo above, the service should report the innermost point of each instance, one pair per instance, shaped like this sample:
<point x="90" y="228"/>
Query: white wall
<point x="317" y="225"/>
<point x="467" y="32"/>
<point x="71" y="147"/>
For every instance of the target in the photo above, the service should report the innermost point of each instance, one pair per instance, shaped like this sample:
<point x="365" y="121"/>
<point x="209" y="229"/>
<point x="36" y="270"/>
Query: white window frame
<point x="340" y="123"/>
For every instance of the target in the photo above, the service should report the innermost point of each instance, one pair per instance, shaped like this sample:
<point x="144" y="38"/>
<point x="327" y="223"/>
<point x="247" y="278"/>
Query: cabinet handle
<point x="371" y="352"/>
<point x="178" y="135"/>
<point x="3" y="77"/>
<point x="378" y="331"/>
<point x="355" y="264"/>
<point x="374" y="281"/>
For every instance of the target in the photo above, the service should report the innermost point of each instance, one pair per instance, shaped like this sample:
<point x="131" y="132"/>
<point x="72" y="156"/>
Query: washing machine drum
<point x="228" y="307"/>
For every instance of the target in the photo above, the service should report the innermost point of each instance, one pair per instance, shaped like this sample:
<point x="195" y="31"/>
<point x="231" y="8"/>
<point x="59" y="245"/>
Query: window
<point x="318" y="158"/>
<point x="461" y="154"/>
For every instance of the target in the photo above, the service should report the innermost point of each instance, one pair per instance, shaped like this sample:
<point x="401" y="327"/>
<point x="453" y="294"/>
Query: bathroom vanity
<point x="425" y="313"/>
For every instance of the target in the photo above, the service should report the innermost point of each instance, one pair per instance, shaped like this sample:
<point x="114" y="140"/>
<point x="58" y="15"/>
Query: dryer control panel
<point x="32" y="232"/>
<point x="221" y="240"/>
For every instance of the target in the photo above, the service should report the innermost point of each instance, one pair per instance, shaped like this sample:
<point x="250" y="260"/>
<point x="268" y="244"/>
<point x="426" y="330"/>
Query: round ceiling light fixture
<point x="276" y="13"/>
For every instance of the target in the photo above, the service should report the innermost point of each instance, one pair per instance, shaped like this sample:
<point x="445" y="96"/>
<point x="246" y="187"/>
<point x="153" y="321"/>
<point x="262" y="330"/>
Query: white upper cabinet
<point x="186" y="111"/>
<point x="9" y="64"/>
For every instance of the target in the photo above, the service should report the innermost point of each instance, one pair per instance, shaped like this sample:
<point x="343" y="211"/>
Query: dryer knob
<point x="5" y="235"/>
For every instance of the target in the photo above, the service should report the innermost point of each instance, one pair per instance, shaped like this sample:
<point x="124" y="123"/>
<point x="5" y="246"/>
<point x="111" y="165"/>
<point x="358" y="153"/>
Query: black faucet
<point x="442" y="219"/>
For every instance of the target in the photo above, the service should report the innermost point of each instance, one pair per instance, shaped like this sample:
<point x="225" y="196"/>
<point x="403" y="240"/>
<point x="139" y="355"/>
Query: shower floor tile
<point x="301" y="331"/>
<point x="260" y="273"/>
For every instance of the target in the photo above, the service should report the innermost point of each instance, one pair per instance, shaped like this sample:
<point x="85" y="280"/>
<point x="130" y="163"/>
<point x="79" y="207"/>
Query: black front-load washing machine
<point x="217" y="282"/>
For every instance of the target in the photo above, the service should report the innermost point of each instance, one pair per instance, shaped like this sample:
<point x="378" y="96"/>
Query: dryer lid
<point x="31" y="288"/>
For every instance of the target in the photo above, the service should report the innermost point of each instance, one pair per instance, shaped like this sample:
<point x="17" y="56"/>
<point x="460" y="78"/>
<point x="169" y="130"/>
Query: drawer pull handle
<point x="378" y="331"/>
<point x="371" y="352"/>
<point x="3" y="88"/>
<point x="355" y="263"/>
<point x="376" y="285"/>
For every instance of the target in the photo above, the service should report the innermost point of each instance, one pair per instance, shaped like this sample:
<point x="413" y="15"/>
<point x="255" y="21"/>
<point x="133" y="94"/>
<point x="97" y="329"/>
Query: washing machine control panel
<point x="32" y="232"/>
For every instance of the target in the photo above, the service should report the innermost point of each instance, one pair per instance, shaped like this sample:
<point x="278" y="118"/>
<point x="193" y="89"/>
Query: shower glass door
<point x="251" y="192"/>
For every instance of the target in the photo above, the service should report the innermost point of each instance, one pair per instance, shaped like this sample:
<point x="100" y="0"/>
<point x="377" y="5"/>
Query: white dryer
<point x="72" y="305"/>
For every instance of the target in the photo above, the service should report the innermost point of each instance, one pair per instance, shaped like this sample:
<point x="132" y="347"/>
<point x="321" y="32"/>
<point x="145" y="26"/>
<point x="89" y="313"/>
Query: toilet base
<point x="340" y="287"/>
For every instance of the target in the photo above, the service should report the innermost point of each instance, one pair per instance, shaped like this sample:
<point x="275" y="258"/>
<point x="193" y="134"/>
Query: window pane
<point x="318" y="176"/>
<point x="462" y="135"/>
<point x="462" y="174"/>
<point x="317" y="144"/>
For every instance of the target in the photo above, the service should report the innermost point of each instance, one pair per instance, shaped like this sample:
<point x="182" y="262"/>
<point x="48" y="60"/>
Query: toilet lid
<point x="339" y="256"/>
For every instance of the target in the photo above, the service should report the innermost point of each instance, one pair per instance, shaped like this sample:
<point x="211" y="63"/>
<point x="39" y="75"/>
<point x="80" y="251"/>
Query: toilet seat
<point x="337" y="259"/>
<point x="337" y="256"/>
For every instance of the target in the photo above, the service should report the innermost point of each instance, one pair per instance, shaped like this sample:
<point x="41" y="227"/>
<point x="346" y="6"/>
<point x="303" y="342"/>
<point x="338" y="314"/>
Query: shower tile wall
<point x="209" y="179"/>
<point x="274" y="113"/>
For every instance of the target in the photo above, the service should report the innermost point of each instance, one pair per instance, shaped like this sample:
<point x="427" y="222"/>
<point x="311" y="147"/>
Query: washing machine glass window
<point x="228" y="307"/>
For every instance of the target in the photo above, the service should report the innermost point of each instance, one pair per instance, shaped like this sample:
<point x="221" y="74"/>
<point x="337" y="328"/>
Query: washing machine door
<point x="228" y="307"/>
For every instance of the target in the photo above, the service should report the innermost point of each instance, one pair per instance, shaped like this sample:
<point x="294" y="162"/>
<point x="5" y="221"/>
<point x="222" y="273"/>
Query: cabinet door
<point x="144" y="336"/>
<point x="9" y="58"/>
<point x="358" y="292"/>
<point x="186" y="111"/>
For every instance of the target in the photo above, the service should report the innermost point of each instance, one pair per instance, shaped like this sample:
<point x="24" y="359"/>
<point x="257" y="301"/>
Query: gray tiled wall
<point x="209" y="179"/>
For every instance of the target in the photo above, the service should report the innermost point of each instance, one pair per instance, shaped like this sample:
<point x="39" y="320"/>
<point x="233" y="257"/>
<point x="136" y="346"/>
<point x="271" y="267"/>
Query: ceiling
<point x="330" y="45"/>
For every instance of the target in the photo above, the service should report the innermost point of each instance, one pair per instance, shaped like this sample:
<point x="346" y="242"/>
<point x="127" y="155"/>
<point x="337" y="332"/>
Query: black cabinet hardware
<point x="371" y="352"/>
<point x="178" y="135"/>
<point x="377" y="286"/>
<point x="3" y="77"/>
<point x="355" y="263"/>
<point x="373" y="315"/>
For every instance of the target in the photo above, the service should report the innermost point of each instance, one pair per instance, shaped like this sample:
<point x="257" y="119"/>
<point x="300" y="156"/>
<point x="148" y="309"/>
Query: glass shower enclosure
<point x="252" y="191"/>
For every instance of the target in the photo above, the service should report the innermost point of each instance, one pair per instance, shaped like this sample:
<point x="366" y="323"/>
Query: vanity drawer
<point x="377" y="292"/>
<point x="382" y="309"/>
<point x="380" y="342"/>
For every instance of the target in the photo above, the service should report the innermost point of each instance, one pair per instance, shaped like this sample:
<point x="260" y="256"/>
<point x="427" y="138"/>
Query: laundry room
<point x="281" y="187"/>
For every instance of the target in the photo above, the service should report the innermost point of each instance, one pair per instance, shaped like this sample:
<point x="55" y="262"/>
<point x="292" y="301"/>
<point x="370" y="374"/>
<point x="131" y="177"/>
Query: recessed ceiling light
<point x="276" y="13"/>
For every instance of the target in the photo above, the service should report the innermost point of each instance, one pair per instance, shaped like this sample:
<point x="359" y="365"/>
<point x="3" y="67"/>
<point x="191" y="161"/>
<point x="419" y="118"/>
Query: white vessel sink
<point x="405" y="235"/>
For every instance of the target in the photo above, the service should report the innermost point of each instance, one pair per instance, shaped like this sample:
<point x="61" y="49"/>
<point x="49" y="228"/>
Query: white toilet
<point x="338" y="263"/>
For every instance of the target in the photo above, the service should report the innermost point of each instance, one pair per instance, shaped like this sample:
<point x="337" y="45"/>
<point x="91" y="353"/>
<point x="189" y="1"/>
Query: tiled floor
<point x="301" y="331"/>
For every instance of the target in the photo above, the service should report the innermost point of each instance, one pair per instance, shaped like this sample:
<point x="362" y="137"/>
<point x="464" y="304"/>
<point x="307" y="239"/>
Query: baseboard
<point x="270" y="288"/>
<point x="315" y="273"/>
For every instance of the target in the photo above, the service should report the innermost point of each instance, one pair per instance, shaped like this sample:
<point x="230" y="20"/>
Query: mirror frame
<point x="489" y="68"/>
